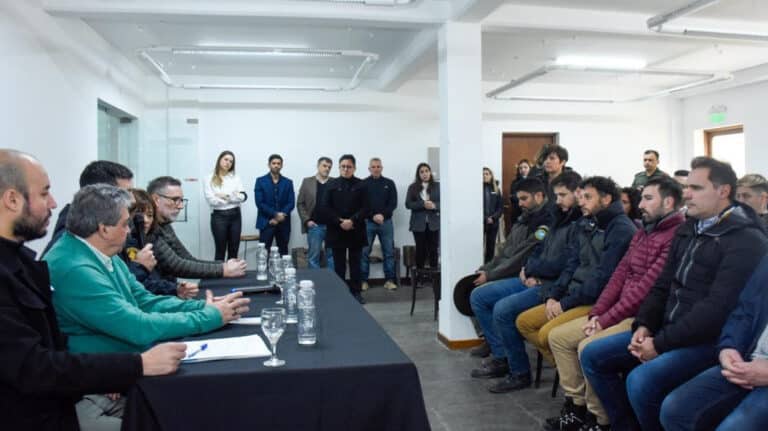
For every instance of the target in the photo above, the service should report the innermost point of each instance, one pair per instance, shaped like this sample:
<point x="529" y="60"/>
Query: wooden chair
<point x="245" y="239"/>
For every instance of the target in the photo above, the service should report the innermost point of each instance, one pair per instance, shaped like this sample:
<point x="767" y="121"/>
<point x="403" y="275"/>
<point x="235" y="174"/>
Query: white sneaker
<point x="390" y="285"/>
<point x="364" y="286"/>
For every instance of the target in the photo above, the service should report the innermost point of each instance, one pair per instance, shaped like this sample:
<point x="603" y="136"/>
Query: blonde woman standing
<point x="224" y="192"/>
<point x="491" y="212"/>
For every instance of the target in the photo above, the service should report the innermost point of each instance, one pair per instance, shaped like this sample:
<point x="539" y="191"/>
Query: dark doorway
<point x="515" y="147"/>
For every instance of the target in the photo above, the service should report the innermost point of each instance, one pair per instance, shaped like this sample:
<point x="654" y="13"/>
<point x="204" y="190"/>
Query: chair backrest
<point x="409" y="256"/>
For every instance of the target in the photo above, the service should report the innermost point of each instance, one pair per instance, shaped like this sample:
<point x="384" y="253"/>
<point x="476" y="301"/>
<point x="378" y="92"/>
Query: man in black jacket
<point x="40" y="382"/>
<point x="382" y="198"/>
<point x="710" y="260"/>
<point x="96" y="172"/>
<point x="344" y="208"/>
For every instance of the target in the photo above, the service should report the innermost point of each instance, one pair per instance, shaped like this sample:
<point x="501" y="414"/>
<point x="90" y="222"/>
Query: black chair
<point x="537" y="379"/>
<point x="433" y="275"/>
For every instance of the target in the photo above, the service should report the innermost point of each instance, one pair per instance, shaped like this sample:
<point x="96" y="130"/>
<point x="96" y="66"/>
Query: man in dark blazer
<point x="275" y="200"/>
<point x="344" y="208"/>
<point x="40" y="382"/>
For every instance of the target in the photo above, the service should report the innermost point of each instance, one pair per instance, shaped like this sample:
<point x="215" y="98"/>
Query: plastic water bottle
<point x="287" y="261"/>
<point x="261" y="262"/>
<point x="307" y="317"/>
<point x="274" y="265"/>
<point x="290" y="291"/>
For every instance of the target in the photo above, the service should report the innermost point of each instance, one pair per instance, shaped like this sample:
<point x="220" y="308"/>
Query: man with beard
<point x="273" y="194"/>
<point x="173" y="259"/>
<point x="542" y="268"/>
<point x="711" y="258"/>
<point x="40" y="382"/>
<point x="615" y="309"/>
<point x="602" y="241"/>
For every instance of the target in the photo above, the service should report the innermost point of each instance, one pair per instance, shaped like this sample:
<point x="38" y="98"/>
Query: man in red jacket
<point x="615" y="309"/>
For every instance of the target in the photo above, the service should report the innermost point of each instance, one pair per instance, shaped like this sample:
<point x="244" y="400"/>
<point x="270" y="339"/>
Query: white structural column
<point x="461" y="201"/>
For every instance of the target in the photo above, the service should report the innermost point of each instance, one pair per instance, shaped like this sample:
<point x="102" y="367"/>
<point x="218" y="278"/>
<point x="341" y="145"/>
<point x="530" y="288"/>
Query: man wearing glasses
<point x="173" y="259"/>
<point x="344" y="208"/>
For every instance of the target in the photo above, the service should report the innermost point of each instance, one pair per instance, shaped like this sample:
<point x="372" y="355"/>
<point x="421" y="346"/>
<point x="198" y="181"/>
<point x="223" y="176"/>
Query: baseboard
<point x="458" y="344"/>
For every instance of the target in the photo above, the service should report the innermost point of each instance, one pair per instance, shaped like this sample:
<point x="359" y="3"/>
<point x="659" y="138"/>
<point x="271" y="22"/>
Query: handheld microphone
<point x="138" y="230"/>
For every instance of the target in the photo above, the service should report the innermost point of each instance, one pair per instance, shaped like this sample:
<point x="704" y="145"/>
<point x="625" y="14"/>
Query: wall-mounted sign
<point x="717" y="114"/>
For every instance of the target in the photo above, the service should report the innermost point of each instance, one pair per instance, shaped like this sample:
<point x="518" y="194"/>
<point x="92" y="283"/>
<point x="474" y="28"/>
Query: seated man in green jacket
<point x="99" y="303"/>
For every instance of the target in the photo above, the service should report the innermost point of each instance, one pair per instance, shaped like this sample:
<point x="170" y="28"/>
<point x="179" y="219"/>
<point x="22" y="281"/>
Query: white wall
<point x="607" y="140"/>
<point x="301" y="136"/>
<point x="746" y="105"/>
<point x="49" y="91"/>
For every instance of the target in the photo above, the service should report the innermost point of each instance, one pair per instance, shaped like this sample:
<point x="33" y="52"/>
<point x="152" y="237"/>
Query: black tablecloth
<point x="354" y="378"/>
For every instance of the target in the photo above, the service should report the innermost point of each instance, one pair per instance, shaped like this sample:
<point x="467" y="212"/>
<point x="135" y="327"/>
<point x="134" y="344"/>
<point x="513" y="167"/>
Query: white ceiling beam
<point x="512" y="16"/>
<point x="473" y="10"/>
<point x="424" y="12"/>
<point x="407" y="63"/>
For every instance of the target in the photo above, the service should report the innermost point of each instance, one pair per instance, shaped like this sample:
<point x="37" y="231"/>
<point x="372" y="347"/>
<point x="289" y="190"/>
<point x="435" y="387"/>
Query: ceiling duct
<point x="657" y="24"/>
<point x="702" y="78"/>
<point x="367" y="60"/>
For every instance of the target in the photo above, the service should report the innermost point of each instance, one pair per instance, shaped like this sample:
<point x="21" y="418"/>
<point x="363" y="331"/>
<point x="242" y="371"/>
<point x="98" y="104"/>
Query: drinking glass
<point x="273" y="325"/>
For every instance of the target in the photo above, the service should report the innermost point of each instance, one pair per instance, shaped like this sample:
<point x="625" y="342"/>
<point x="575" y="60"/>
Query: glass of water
<point x="273" y="325"/>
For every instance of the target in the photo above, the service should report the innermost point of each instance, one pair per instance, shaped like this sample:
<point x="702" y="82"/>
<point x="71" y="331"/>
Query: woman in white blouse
<point x="224" y="193"/>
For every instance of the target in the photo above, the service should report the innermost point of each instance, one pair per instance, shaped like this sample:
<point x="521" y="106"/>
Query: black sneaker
<point x="359" y="297"/>
<point x="513" y="382"/>
<point x="590" y="424"/>
<point x="491" y="369"/>
<point x="481" y="351"/>
<point x="571" y="417"/>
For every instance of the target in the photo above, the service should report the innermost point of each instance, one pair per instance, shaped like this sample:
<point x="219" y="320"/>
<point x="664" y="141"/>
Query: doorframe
<point x="554" y="135"/>
<point x="710" y="134"/>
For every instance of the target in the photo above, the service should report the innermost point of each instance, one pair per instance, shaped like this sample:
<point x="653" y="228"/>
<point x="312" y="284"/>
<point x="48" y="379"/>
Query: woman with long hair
<point x="630" y="200"/>
<point x="224" y="192"/>
<point x="423" y="199"/>
<point x="137" y="252"/>
<point x="492" y="209"/>
<point x="523" y="171"/>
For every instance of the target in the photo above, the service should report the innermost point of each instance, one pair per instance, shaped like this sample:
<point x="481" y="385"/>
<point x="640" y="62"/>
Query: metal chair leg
<point x="555" y="384"/>
<point x="414" y="278"/>
<point x="539" y="365"/>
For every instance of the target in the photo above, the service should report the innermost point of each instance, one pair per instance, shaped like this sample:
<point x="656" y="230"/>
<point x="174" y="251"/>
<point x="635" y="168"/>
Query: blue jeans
<point x="496" y="306"/>
<point x="315" y="238"/>
<point x="708" y="398"/>
<point x="386" y="234"/>
<point x="638" y="402"/>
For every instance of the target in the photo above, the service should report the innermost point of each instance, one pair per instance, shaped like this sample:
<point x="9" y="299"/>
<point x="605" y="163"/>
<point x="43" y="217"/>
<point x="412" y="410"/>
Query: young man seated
<point x="497" y="304"/>
<point x="602" y="242"/>
<point x="676" y="328"/>
<point x="528" y="231"/>
<point x="616" y="307"/>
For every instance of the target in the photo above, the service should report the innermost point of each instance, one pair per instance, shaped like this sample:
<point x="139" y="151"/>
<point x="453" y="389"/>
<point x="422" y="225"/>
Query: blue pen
<point x="199" y="349"/>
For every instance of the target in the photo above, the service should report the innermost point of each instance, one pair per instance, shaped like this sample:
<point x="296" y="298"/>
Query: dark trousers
<point x="426" y="247"/>
<point x="490" y="241"/>
<point x="280" y="233"/>
<point x="709" y="399"/>
<point x="340" y="265"/>
<point x="226" y="226"/>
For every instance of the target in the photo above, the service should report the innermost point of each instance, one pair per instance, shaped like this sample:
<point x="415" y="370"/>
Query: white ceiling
<point x="519" y="36"/>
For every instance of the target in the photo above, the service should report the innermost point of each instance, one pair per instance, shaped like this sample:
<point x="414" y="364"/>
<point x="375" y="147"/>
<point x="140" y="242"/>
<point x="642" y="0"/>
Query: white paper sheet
<point x="251" y="346"/>
<point x="247" y="321"/>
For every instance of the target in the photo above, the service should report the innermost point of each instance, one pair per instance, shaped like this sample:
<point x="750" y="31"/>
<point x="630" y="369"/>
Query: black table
<point x="354" y="378"/>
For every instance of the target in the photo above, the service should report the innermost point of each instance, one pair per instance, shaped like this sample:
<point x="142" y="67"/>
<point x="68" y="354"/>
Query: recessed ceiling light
<point x="621" y="63"/>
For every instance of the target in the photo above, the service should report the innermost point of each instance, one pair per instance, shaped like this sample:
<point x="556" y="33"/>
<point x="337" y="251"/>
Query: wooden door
<point x="515" y="147"/>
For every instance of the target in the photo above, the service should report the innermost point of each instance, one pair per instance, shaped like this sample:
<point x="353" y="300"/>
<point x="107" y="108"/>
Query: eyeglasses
<point x="178" y="200"/>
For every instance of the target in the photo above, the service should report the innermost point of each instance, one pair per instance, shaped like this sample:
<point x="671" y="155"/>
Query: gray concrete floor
<point x="454" y="400"/>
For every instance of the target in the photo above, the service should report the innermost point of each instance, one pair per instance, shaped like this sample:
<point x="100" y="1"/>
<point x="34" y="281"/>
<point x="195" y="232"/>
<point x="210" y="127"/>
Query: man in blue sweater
<point x="382" y="198"/>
